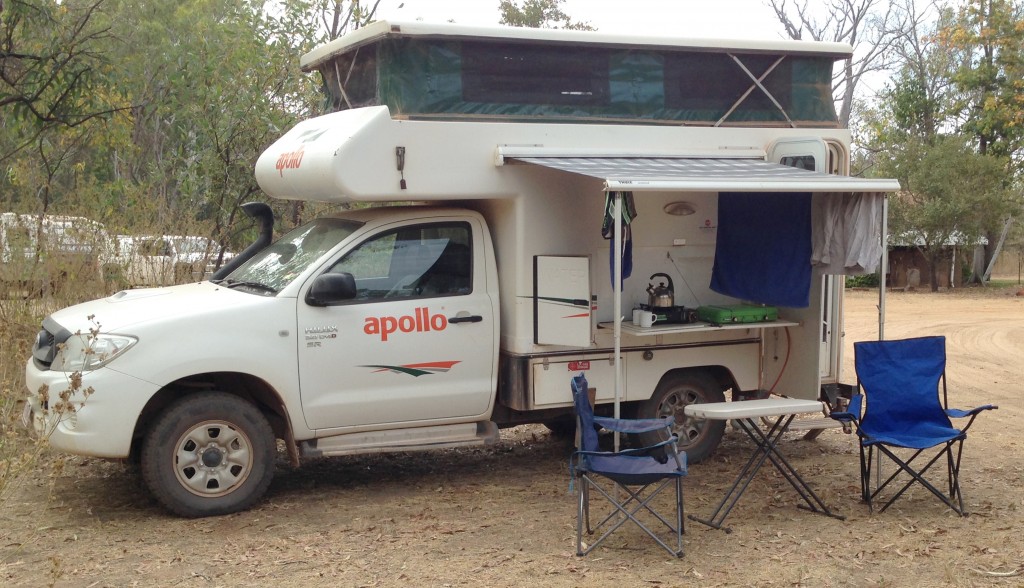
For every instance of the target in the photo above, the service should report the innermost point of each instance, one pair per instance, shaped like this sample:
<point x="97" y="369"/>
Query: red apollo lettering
<point x="290" y="160"/>
<point x="421" y="321"/>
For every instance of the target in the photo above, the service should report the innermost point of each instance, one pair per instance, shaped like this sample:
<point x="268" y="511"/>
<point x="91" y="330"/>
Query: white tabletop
<point x="746" y="409"/>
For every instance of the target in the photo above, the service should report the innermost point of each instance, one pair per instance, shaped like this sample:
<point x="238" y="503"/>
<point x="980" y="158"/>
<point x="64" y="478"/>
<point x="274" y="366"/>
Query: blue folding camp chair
<point x="635" y="475"/>
<point x="899" y="381"/>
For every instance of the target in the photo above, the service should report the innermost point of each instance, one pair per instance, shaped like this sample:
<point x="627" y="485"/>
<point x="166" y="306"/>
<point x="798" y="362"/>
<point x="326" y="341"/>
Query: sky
<point x="738" y="19"/>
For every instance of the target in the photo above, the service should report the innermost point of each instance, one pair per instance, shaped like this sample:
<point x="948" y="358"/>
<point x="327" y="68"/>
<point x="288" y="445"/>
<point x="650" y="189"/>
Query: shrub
<point x="863" y="281"/>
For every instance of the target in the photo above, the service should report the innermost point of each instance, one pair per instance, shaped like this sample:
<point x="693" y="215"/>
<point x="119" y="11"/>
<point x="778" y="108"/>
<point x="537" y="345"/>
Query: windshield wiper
<point x="229" y="283"/>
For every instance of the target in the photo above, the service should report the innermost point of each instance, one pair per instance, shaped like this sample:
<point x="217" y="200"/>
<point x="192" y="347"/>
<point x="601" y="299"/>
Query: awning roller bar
<point x="705" y="174"/>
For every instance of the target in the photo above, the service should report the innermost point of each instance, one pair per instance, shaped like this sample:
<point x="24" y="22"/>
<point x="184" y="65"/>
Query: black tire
<point x="562" y="427"/>
<point x="697" y="437"/>
<point x="209" y="454"/>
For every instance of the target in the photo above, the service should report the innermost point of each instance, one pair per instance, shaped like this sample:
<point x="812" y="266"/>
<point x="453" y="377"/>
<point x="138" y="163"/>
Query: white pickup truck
<point x="422" y="326"/>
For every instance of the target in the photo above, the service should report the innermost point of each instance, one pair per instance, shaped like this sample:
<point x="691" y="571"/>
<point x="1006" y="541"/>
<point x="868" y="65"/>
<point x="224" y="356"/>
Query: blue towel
<point x="763" y="249"/>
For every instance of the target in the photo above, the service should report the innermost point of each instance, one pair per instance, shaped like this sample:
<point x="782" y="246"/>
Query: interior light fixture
<point x="680" y="208"/>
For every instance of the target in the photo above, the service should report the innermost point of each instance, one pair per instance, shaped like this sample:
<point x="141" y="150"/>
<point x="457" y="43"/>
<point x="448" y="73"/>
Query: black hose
<point x="265" y="216"/>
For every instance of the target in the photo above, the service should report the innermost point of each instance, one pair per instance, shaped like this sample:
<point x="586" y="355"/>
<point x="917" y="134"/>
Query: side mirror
<point x="328" y="289"/>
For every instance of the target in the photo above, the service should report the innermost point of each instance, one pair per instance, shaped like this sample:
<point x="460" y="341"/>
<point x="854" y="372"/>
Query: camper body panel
<point x="350" y="156"/>
<point x="560" y="214"/>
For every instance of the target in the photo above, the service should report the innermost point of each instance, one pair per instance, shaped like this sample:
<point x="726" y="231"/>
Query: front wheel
<point x="209" y="454"/>
<point x="697" y="437"/>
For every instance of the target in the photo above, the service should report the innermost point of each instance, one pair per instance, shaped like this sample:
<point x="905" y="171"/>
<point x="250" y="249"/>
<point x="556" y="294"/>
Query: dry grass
<point x="502" y="516"/>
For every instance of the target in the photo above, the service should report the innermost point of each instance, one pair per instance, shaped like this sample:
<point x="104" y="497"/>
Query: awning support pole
<point x="881" y="303"/>
<point x="883" y="267"/>
<point x="617" y="305"/>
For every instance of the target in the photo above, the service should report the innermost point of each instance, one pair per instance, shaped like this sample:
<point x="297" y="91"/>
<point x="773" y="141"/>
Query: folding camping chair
<point x="899" y="380"/>
<point x="635" y="475"/>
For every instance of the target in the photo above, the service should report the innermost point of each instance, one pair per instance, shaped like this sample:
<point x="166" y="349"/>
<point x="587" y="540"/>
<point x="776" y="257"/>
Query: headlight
<point x="82" y="353"/>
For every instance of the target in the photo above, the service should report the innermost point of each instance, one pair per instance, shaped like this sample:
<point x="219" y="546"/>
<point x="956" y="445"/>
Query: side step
<point x="415" y="439"/>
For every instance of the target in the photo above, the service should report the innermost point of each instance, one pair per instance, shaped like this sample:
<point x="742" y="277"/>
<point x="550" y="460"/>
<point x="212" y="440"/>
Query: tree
<point x="871" y="27"/>
<point x="950" y="191"/>
<point x="539" y="14"/>
<point x="986" y="37"/>
<point x="338" y="18"/>
<point x="210" y="84"/>
<point x="949" y="194"/>
<point x="51" y="64"/>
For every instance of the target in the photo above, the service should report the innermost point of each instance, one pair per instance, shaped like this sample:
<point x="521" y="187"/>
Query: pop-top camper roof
<point x="430" y="71"/>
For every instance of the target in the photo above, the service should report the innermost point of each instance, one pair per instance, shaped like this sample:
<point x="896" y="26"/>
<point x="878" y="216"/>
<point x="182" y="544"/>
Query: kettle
<point x="660" y="296"/>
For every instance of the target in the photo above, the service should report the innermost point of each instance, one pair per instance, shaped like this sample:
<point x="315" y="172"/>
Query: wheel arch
<point x="720" y="373"/>
<point x="245" y="386"/>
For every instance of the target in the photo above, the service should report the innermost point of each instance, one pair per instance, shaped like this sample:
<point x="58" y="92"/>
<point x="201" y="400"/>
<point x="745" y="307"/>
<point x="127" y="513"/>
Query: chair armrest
<point x="635" y="451"/>
<point x="639" y="451"/>
<point x="634" y="425"/>
<point x="852" y="412"/>
<point x="956" y="413"/>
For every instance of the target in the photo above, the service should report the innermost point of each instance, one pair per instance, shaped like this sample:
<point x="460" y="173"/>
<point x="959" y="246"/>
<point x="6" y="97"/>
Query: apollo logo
<point x="290" y="160"/>
<point x="421" y="321"/>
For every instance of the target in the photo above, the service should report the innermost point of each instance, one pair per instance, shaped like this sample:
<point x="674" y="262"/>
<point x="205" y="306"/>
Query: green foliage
<point x="145" y="115"/>
<point x="925" y="130"/>
<point x="52" y="68"/>
<point x="538" y="14"/>
<point x="193" y="92"/>
<point x="985" y="39"/>
<point x="864" y="281"/>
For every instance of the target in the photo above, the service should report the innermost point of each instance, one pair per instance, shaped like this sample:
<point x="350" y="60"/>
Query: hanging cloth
<point x="763" y="248"/>
<point x="847" y="233"/>
<point x="608" y="230"/>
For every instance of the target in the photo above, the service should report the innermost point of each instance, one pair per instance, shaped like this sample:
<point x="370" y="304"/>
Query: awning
<point x="705" y="174"/>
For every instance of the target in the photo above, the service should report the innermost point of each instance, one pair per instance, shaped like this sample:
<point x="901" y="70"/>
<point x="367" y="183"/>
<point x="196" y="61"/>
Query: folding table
<point x="783" y="410"/>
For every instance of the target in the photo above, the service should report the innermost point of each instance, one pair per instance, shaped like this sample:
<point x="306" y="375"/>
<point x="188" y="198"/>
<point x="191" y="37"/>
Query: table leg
<point x="766" y="448"/>
<point x="757" y="459"/>
<point x="769" y="444"/>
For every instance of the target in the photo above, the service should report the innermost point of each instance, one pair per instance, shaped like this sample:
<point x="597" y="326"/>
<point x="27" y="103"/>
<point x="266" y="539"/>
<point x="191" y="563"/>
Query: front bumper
<point x="102" y="425"/>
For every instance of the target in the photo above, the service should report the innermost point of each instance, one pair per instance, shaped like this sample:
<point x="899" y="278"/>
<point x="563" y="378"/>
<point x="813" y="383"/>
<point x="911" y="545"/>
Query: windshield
<point x="276" y="266"/>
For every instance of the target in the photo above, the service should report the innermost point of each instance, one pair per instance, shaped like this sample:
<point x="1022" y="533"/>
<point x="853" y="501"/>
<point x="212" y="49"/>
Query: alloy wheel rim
<point x="688" y="429"/>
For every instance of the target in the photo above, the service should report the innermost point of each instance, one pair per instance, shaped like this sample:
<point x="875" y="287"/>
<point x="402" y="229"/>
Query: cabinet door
<point x="417" y="342"/>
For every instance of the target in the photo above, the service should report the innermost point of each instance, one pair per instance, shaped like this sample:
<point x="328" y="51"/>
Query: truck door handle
<point x="475" y="318"/>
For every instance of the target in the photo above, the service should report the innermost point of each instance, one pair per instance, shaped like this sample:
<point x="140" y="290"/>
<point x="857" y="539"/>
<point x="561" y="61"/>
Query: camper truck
<point x="514" y="196"/>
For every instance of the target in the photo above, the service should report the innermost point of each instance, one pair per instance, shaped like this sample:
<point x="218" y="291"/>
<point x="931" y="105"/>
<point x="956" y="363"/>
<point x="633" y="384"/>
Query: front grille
<point x="47" y="342"/>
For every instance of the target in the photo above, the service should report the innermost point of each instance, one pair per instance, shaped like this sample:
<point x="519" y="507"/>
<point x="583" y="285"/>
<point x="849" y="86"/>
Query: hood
<point x="129" y="309"/>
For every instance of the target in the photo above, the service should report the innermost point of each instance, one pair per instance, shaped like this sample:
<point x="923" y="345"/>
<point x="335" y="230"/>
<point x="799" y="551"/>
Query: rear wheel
<point x="563" y="427"/>
<point x="209" y="454"/>
<point x="698" y="437"/>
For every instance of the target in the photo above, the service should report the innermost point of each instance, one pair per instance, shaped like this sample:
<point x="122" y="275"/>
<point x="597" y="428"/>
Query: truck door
<point x="417" y="342"/>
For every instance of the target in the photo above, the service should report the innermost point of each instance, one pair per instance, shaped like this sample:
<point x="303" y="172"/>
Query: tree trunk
<point x="933" y="270"/>
<point x="978" y="256"/>
<point x="998" y="249"/>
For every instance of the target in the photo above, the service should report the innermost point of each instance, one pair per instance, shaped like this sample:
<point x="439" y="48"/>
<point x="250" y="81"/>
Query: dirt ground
<point x="503" y="516"/>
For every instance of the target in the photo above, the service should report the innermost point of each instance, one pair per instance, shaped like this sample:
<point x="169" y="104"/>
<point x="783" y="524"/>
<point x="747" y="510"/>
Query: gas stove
<point x="672" y="315"/>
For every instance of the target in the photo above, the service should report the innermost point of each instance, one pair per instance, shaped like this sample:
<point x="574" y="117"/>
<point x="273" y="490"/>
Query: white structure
<point x="406" y="327"/>
<point x="39" y="252"/>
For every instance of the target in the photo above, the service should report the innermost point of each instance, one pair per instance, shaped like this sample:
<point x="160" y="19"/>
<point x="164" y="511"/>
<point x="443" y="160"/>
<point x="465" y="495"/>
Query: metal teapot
<point x="661" y="296"/>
